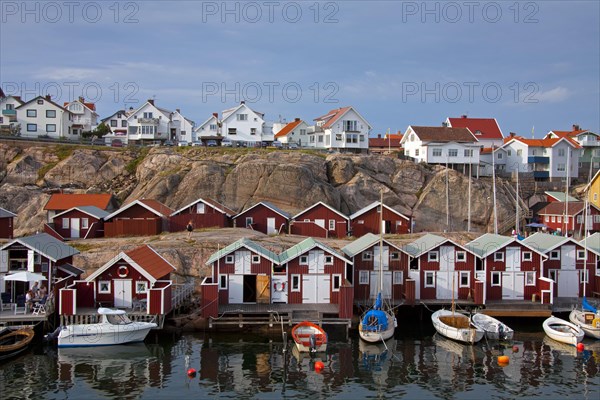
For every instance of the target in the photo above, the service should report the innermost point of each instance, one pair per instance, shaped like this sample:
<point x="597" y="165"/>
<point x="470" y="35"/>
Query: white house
<point x="117" y="123"/>
<point x="546" y="158"/>
<point x="487" y="164"/>
<point x="84" y="116"/>
<point x="486" y="130"/>
<point x="8" y="115"/>
<point x="243" y="124"/>
<point x="184" y="127"/>
<point x="43" y="117"/>
<point x="342" y="128"/>
<point x="149" y="124"/>
<point x="209" y="128"/>
<point x="292" y="132"/>
<point x="589" y="161"/>
<point x="442" y="145"/>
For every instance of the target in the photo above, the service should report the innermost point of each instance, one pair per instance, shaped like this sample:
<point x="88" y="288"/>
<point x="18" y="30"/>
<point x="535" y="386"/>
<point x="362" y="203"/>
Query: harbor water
<point x="415" y="365"/>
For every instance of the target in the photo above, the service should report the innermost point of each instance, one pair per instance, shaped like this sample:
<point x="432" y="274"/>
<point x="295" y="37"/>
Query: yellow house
<point x="593" y="190"/>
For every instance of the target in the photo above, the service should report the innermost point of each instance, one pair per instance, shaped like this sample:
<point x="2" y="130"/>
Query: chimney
<point x="81" y="99"/>
<point x="379" y="136"/>
<point x="445" y="124"/>
<point x="216" y="115"/>
<point x="512" y="134"/>
<point x="463" y="116"/>
<point x="151" y="101"/>
<point x="178" y="110"/>
<point x="297" y="119"/>
<point x="243" y="102"/>
<point x="48" y="97"/>
<point x="575" y="127"/>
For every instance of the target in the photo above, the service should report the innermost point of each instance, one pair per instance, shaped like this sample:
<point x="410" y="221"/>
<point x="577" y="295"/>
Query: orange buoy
<point x="515" y="349"/>
<point x="580" y="347"/>
<point x="503" y="360"/>
<point x="319" y="366"/>
<point x="191" y="372"/>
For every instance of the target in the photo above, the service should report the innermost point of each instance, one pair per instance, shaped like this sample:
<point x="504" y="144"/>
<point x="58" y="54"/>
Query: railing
<point x="538" y="160"/>
<point x="9" y="113"/>
<point x="148" y="121"/>
<point x="181" y="292"/>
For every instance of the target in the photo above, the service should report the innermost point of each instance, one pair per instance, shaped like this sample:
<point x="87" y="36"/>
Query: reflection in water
<point x="255" y="367"/>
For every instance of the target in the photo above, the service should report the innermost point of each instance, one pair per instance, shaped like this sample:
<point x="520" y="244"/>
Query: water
<point x="244" y="366"/>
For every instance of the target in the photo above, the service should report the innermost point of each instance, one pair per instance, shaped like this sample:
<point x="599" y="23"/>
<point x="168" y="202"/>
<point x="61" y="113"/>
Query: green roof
<point x="303" y="247"/>
<point x="362" y="243"/>
<point x="246" y="243"/>
<point x="424" y="244"/>
<point x="560" y="196"/>
<point x="592" y="243"/>
<point x="544" y="242"/>
<point x="487" y="244"/>
<point x="46" y="245"/>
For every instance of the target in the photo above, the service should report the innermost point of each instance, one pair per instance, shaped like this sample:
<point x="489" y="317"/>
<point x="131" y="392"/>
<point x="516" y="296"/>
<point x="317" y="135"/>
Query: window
<point x="461" y="256"/>
<point x="332" y="224"/>
<point x="31" y="127"/>
<point x="552" y="274"/>
<point x="232" y="131"/>
<point x="113" y="123"/>
<point x="44" y="267"/>
<point x="429" y="279"/>
<point x="50" y="113"/>
<point x="433" y="256"/>
<point x="104" y="287"/>
<point x="255" y="259"/>
<point x="367" y="256"/>
<point x="32" y="113"/>
<point x="453" y="153"/>
<point x="141" y="287"/>
<point x="242" y="117"/>
<point x="498" y="256"/>
<point x="303" y="260"/>
<point x="50" y="128"/>
<point x="398" y="278"/>
<point x="328" y="260"/>
<point x="320" y="139"/>
<point x="65" y="223"/>
<point x="547" y="218"/>
<point x="249" y="222"/>
<point x="553" y="218"/>
<point x="40" y="101"/>
<point x="394" y="256"/>
<point x="559" y="219"/>
<point x="509" y="152"/>
<point x="560" y="167"/>
<point x="417" y="153"/>
<point x="581" y="254"/>
<point x="337" y="283"/>
<point x="212" y="127"/>
<point x="496" y="278"/>
<point x="468" y="153"/>
<point x="124" y="124"/>
<point x="527" y="256"/>
<point x="351" y="126"/>
<point x="464" y="278"/>
<point x="584" y="275"/>
<point x="222" y="281"/>
<point x="561" y="152"/>
<point x="253" y="131"/>
<point x="85" y="222"/>
<point x="229" y="259"/>
<point x="295" y="283"/>
<point x="338" y="137"/>
<point x="147" y="115"/>
<point x="363" y="277"/>
<point x="362" y="138"/>
<point x="597" y="218"/>
<point x="555" y="255"/>
<point x="529" y="278"/>
<point x="499" y="156"/>
<point x="437" y="152"/>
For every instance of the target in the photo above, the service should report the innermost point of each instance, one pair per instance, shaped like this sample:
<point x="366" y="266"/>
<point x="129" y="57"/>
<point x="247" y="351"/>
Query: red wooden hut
<point x="85" y="222"/>
<point x="367" y="220"/>
<point x="204" y="213"/>
<point x="263" y="217"/>
<point x="6" y="224"/>
<point x="320" y="220"/>
<point x="143" y="217"/>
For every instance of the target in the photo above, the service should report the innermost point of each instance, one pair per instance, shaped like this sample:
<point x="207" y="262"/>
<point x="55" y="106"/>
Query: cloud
<point x="555" y="95"/>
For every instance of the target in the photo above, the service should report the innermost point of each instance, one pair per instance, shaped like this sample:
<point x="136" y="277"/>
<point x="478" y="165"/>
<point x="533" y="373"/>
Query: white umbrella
<point x="25" y="276"/>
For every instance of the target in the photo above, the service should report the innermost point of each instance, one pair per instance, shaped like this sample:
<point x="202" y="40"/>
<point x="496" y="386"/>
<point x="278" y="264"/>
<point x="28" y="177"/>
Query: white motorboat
<point x="114" y="327"/>
<point x="494" y="329"/>
<point x="456" y="326"/>
<point x="563" y="331"/>
<point x="588" y="321"/>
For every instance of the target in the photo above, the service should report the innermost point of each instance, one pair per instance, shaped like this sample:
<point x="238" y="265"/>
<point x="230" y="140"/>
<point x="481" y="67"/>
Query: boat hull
<point x="14" y="342"/>
<point x="591" y="328"/>
<point x="467" y="334"/>
<point x="563" y="331"/>
<point x="493" y="328"/>
<point x="373" y="336"/>
<point x="103" y="334"/>
<point x="301" y="334"/>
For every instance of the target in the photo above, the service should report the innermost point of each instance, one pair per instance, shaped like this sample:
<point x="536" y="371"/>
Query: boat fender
<point x="123" y="271"/>
<point x="503" y="360"/>
<point x="596" y="323"/>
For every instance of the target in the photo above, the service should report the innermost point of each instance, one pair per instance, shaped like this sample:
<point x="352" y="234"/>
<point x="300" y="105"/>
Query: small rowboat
<point x="563" y="331"/>
<point x="494" y="329"/>
<point x="309" y="337"/>
<point x="456" y="326"/>
<point x="13" y="342"/>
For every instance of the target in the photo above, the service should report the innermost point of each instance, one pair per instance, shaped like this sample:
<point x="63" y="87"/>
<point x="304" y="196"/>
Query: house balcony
<point x="538" y="160"/>
<point x="541" y="174"/>
<point x="314" y="129"/>
<point x="589" y="143"/>
<point x="9" y="113"/>
<point x="148" y="121"/>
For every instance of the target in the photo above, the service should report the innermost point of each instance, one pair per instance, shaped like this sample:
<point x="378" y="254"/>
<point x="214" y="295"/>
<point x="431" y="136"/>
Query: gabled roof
<point x="268" y="205"/>
<point x="62" y="201"/>
<point x="153" y="206"/>
<point x="307" y="245"/>
<point x="165" y="112"/>
<point x="542" y="142"/>
<point x="210" y="202"/>
<point x="46" y="245"/>
<point x="488" y="128"/>
<point x="334" y="115"/>
<point x="123" y="112"/>
<point x="424" y="244"/>
<point x="573" y="133"/>
<point x="17" y="98"/>
<point x="489" y="243"/>
<point x="373" y="205"/>
<point x="288" y="128"/>
<point x="70" y="269"/>
<point x="441" y="134"/>
<point x="144" y="259"/>
<point x="89" y="106"/>
<point x="45" y="99"/>
<point x="592" y="243"/>
<point x="558" y="208"/>
<point x="6" y="214"/>
<point x="392" y="142"/>
<point x="544" y="242"/>
<point x="560" y="196"/>
<point x="206" y="122"/>
<point x="231" y="111"/>
<point x="92" y="211"/>
<point x="243" y="243"/>
<point x="365" y="242"/>
<point x="320" y="203"/>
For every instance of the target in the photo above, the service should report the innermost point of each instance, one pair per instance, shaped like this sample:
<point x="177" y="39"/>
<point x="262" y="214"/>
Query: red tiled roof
<point x="543" y="142"/>
<point x="572" y="134"/>
<point x="443" y="134"/>
<point x="157" y="206"/>
<point x="288" y="128"/>
<point x="91" y="106"/>
<point x="384" y="143"/>
<point x="62" y="202"/>
<point x="558" y="208"/>
<point x="394" y="136"/>
<point x="332" y="116"/>
<point x="150" y="261"/>
<point x="486" y="150"/>
<point x="487" y="126"/>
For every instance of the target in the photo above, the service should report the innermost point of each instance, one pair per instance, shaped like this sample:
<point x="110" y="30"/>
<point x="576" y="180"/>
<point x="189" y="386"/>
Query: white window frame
<point x="559" y="219"/>
<point x="581" y="255"/>
<point x="555" y="255"/>
<point x="526" y="256"/>
<point x="552" y="274"/>
<point x="332" y="224"/>
<point x="363" y="277"/>
<point x="336" y="282"/>
<point x="65" y="223"/>
<point x="295" y="280"/>
<point x="138" y="285"/>
<point x="462" y="274"/>
<point x="85" y="223"/>
<point x="104" y="291"/>
<point x="223" y="282"/>
<point x="255" y="259"/>
<point x="498" y="275"/>
<point x="249" y="221"/>
<point x="427" y="275"/>
<point x="530" y="278"/>
<point x="394" y="255"/>
<point x="461" y="254"/>
<point x="367" y="256"/>
<point x="398" y="278"/>
<point x="229" y="259"/>
<point x="329" y="260"/>
<point x="584" y="276"/>
<point x="303" y="260"/>
<point x="433" y="256"/>
<point x="498" y="256"/>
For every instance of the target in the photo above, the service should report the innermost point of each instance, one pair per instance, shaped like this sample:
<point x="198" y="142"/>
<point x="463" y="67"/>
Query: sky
<point x="532" y="65"/>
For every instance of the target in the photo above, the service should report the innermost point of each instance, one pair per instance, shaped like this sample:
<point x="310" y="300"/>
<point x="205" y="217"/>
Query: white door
<point x="123" y="293"/>
<point x="279" y="292"/>
<point x="415" y="275"/>
<point x="513" y="259"/>
<point x="568" y="283"/>
<point x="387" y="284"/>
<point x="444" y="280"/>
<point x="243" y="260"/>
<point x="385" y="258"/>
<point x="513" y="285"/>
<point x="236" y="289"/>
<point x="315" y="288"/>
<point x="316" y="262"/>
<point x="271" y="226"/>
<point x="74" y="227"/>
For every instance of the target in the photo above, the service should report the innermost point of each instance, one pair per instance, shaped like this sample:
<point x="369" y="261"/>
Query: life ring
<point x="279" y="288"/>
<point x="123" y="271"/>
<point x="596" y="323"/>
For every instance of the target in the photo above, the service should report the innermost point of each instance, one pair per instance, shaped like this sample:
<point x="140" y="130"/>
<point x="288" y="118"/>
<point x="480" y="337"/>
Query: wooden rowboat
<point x="309" y="337"/>
<point x="456" y="326"/>
<point x="13" y="342"/>
<point x="563" y="331"/>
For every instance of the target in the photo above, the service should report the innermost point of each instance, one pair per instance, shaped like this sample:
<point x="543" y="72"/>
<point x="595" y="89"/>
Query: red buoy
<point x="191" y="372"/>
<point x="515" y="349"/>
<point x="580" y="347"/>
<point x="319" y="366"/>
<point x="503" y="360"/>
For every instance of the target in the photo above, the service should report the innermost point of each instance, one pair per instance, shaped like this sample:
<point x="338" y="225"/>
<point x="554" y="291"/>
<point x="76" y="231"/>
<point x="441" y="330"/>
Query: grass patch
<point x="132" y="165"/>
<point x="44" y="170"/>
<point x="82" y="247"/>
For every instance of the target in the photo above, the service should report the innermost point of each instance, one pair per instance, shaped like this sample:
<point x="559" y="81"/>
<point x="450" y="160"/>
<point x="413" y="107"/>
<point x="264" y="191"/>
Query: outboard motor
<point x="312" y="340"/>
<point x="501" y="334"/>
<point x="50" y="337"/>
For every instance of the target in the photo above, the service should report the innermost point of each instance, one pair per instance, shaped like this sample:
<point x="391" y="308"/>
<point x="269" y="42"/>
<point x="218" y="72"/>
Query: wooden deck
<point x="8" y="318"/>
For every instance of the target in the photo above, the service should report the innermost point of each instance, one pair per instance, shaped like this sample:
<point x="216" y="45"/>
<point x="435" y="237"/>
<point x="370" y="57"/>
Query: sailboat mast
<point x="566" y="214"/>
<point x="381" y="243"/>
<point x="586" y="277"/>
<point x="517" y="205"/>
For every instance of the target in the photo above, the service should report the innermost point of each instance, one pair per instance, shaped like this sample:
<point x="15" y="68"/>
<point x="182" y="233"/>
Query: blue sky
<point x="528" y="63"/>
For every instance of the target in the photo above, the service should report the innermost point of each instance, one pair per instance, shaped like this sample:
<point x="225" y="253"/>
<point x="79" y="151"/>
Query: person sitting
<point x="29" y="300"/>
<point x="43" y="291"/>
